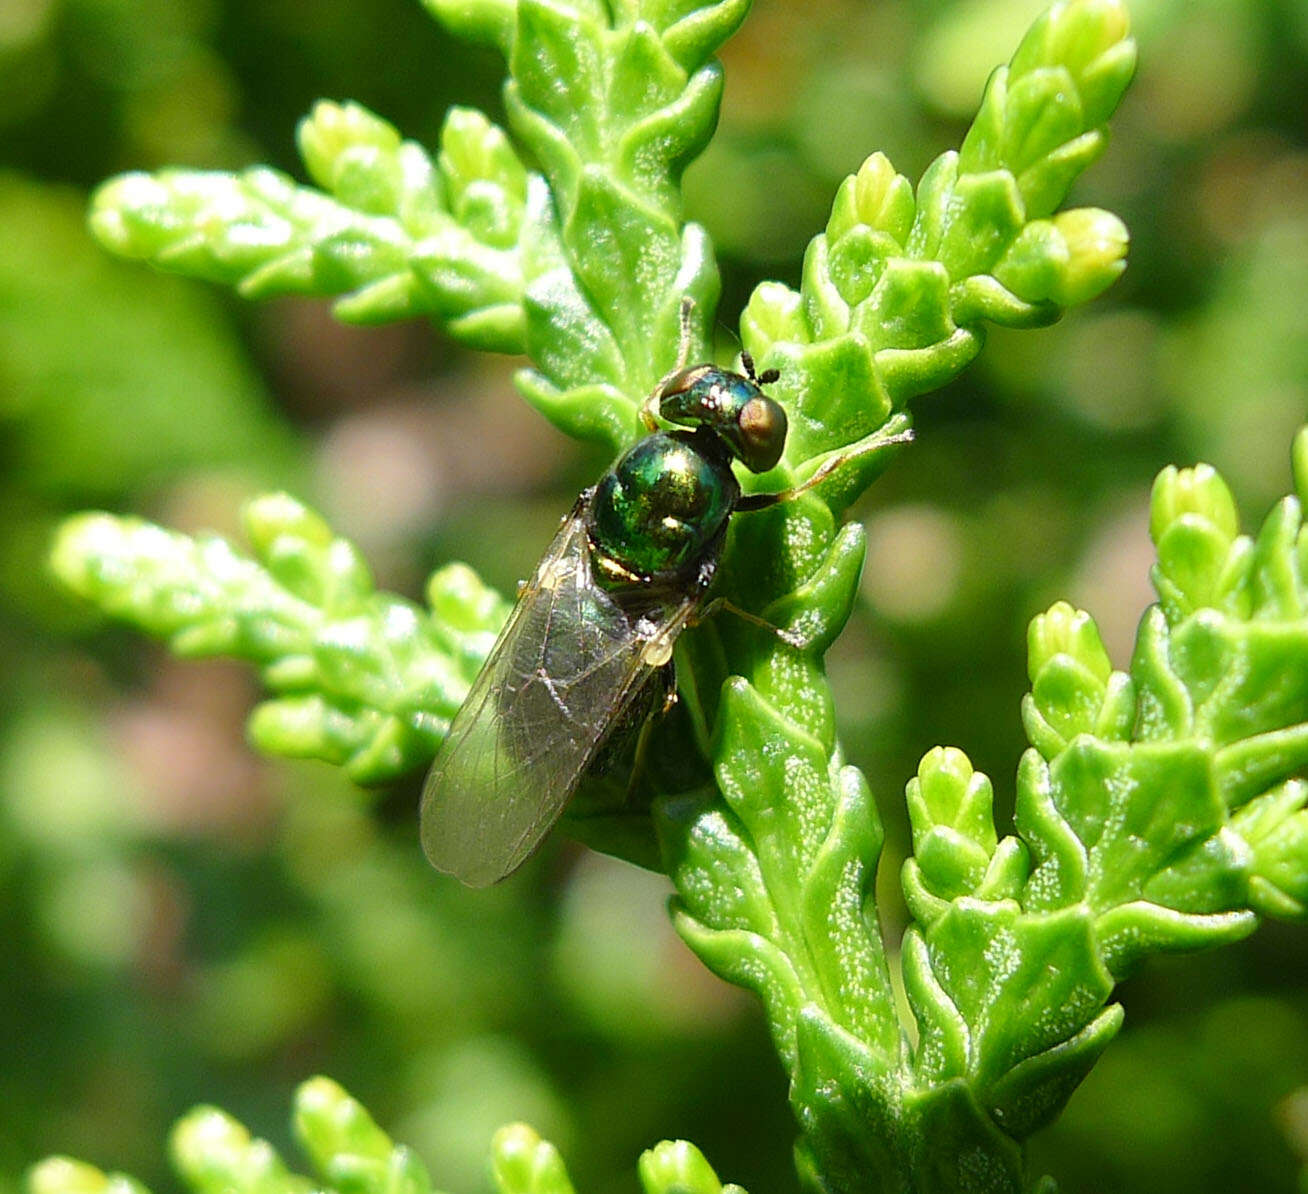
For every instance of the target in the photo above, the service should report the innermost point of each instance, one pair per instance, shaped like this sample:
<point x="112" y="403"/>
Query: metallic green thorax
<point x="661" y="508"/>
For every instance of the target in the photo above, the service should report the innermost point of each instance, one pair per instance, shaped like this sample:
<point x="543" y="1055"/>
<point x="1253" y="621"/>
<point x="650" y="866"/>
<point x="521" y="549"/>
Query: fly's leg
<point x="667" y="676"/>
<point x="649" y="408"/>
<point x="763" y="501"/>
<point x="723" y="605"/>
<point x="626" y="746"/>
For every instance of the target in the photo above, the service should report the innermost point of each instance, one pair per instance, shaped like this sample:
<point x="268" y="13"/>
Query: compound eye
<point x="762" y="424"/>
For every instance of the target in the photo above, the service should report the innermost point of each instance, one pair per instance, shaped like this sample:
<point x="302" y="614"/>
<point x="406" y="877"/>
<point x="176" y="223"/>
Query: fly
<point x="593" y="629"/>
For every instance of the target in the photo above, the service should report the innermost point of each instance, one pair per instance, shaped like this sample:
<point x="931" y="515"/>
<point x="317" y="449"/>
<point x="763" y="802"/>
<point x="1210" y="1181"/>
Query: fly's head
<point x="751" y="425"/>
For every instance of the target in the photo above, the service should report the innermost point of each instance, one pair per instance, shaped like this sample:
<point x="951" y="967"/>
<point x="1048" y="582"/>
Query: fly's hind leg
<point x="666" y="677"/>
<point x="626" y="747"/>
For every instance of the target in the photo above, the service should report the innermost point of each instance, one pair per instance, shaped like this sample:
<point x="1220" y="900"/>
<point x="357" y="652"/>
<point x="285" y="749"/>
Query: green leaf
<point x="477" y="20"/>
<point x="523" y="1163"/>
<point x="363" y="679"/>
<point x="387" y="231"/>
<point x="678" y="1167"/>
<point x="1074" y="689"/>
<point x="916" y="277"/>
<point x="773" y="890"/>
<point x="348" y="1149"/>
<point x="850" y="1107"/>
<point x="613" y="105"/>
<point x="1160" y="809"/>
<point x="954" y="842"/>
<point x="802" y="891"/>
<point x="63" y="1175"/>
<point x="1274" y="829"/>
<point x="213" y="1152"/>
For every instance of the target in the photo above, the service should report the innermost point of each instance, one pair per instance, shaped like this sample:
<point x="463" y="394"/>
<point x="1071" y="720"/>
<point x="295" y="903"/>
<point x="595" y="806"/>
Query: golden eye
<point x="762" y="424"/>
<point x="758" y="420"/>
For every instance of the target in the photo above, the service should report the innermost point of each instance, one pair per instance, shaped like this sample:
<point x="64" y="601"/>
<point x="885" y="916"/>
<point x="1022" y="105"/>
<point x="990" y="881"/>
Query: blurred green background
<point x="181" y="921"/>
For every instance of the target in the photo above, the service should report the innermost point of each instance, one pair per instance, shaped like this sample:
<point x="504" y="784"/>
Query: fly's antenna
<point x="759" y="379"/>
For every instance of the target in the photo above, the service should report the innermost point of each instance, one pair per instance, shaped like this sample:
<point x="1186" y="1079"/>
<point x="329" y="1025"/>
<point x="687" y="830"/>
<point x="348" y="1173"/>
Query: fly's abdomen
<point x="662" y="505"/>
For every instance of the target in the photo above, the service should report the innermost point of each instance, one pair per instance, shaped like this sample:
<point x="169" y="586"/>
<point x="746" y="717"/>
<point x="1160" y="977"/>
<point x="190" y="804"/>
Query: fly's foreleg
<point x="763" y="501"/>
<point x="649" y="408"/>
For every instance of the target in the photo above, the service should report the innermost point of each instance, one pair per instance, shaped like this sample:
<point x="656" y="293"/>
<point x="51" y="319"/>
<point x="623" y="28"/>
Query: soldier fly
<point x="594" y="628"/>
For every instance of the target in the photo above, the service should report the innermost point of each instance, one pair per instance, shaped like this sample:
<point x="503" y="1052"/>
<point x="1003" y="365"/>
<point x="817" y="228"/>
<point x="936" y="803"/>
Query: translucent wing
<point x="563" y="671"/>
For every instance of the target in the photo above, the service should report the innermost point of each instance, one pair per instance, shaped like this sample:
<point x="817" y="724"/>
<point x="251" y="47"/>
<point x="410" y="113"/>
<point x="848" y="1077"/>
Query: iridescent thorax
<point x="658" y="516"/>
<point x="660" y="507"/>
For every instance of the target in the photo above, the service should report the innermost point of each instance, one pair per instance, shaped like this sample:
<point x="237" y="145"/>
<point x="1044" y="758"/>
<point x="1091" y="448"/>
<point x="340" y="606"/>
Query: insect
<point x="591" y="636"/>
